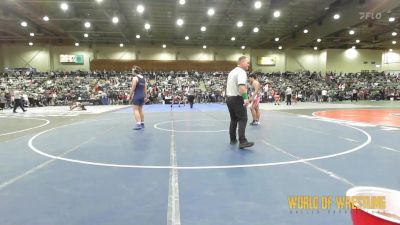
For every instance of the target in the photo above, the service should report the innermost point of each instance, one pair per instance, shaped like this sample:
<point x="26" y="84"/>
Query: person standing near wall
<point x="137" y="96"/>
<point x="237" y="101"/>
<point x="18" y="100"/>
<point x="288" y="96"/>
<point x="191" y="96"/>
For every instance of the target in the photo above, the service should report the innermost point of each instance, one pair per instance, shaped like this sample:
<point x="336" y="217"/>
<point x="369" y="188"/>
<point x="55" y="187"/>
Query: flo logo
<point x="370" y="15"/>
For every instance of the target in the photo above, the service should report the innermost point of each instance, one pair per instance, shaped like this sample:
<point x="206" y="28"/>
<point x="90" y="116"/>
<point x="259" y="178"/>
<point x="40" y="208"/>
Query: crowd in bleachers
<point x="64" y="88"/>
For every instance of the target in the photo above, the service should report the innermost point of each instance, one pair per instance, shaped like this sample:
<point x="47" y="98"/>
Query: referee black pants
<point x="18" y="102"/>
<point x="238" y="114"/>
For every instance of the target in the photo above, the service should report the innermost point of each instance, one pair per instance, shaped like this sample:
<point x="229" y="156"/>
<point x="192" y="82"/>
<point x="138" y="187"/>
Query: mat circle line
<point x="156" y="126"/>
<point x="357" y="148"/>
<point x="23" y="130"/>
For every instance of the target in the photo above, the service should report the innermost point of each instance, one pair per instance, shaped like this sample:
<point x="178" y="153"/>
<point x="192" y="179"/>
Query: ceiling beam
<point x="350" y="16"/>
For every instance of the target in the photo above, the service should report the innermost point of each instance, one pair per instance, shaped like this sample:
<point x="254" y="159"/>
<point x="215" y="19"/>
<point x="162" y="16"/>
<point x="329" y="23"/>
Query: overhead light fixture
<point x="182" y="2"/>
<point x="336" y="16"/>
<point x="99" y="1"/>
<point x="256" y="29"/>
<point x="121" y="45"/>
<point x="277" y="14"/>
<point x="394" y="42"/>
<point x="46" y="18"/>
<point x="186" y="37"/>
<point x="394" y="33"/>
<point x="137" y="36"/>
<point x="30" y="43"/>
<point x="86" y="35"/>
<point x="305" y="31"/>
<point x="211" y="11"/>
<point x="88" y="24"/>
<point x="233" y="38"/>
<point x="391" y="19"/>
<point x="352" y="32"/>
<point x="276" y="39"/>
<point x="319" y="40"/>
<point x="64" y="6"/>
<point x="239" y="24"/>
<point x="204" y="46"/>
<point x="390" y="50"/>
<point x="257" y="4"/>
<point x="115" y="19"/>
<point x="357" y="41"/>
<point x="315" y="48"/>
<point x="243" y="47"/>
<point x="76" y="44"/>
<point x="280" y="47"/>
<point x="377" y="66"/>
<point x="353" y="47"/>
<point x="203" y="28"/>
<point x="164" y="45"/>
<point x="179" y="22"/>
<point x="140" y="9"/>
<point x="32" y="34"/>
<point x="24" y="24"/>
<point x="147" y="26"/>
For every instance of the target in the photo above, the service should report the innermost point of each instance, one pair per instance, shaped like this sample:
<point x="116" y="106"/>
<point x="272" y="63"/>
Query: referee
<point x="237" y="101"/>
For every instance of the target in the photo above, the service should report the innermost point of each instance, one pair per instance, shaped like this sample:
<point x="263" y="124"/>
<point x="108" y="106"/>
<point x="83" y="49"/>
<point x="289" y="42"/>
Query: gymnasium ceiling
<point x="67" y="27"/>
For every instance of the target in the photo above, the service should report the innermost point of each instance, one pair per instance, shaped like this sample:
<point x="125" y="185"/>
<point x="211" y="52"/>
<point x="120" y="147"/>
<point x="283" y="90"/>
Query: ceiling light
<point x="233" y="38"/>
<point x="280" y="47"/>
<point x="390" y="50"/>
<point x="182" y="2"/>
<point x="353" y="47"/>
<point x="32" y="34"/>
<point x="147" y="26"/>
<point x="115" y="19"/>
<point x="239" y="24"/>
<point x="24" y="24"/>
<point x="99" y="1"/>
<point x="204" y="46"/>
<point x="164" y="45"/>
<point x="257" y="4"/>
<point x="88" y="25"/>
<point x="186" y="37"/>
<point x="377" y="66"/>
<point x="46" y="18"/>
<point x="305" y="31"/>
<point x="210" y="11"/>
<point x="277" y="14"/>
<point x="30" y="43"/>
<point x="394" y="33"/>
<point x="255" y="29"/>
<point x="76" y="44"/>
<point x="315" y="48"/>
<point x="336" y="16"/>
<point x="64" y="6"/>
<point x="352" y="32"/>
<point x="319" y="40"/>
<point x="203" y="28"/>
<point x="137" y="36"/>
<point x="121" y="45"/>
<point x="394" y="42"/>
<point x="179" y="22"/>
<point x="276" y="39"/>
<point x="243" y="47"/>
<point x="357" y="41"/>
<point x="86" y="35"/>
<point x="140" y="9"/>
<point x="392" y="19"/>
